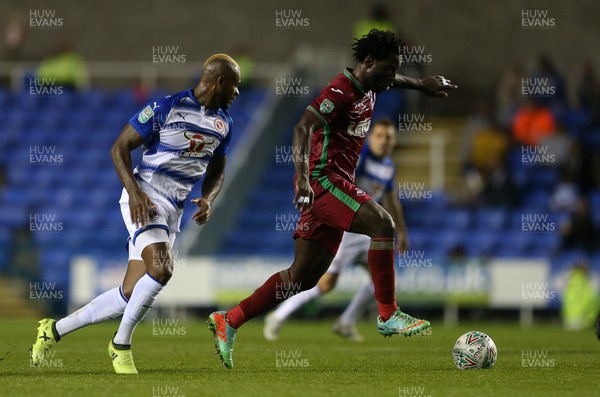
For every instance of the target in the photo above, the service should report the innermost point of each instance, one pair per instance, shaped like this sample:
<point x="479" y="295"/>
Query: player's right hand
<point x="139" y="208"/>
<point x="305" y="196"/>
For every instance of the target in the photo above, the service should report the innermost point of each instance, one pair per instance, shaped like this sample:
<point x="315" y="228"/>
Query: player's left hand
<point x="436" y="86"/>
<point x="201" y="216"/>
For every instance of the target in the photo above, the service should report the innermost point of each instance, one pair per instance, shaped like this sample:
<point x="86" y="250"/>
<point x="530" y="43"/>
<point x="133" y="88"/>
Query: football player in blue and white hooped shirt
<point x="184" y="137"/>
<point x="376" y="175"/>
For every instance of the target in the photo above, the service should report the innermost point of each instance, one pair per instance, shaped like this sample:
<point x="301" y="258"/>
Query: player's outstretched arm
<point x="308" y="123"/>
<point x="211" y="186"/>
<point x="393" y="206"/>
<point x="139" y="203"/>
<point x="430" y="86"/>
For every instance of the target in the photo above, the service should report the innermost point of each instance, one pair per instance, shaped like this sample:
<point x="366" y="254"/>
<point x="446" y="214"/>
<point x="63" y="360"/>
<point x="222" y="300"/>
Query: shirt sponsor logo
<point x="199" y="145"/>
<point x="359" y="129"/>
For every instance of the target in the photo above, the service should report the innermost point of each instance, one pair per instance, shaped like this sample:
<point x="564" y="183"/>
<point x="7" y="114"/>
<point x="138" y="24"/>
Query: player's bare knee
<point x="162" y="270"/>
<point x="327" y="283"/>
<point x="384" y="226"/>
<point x="162" y="274"/>
<point x="325" y="287"/>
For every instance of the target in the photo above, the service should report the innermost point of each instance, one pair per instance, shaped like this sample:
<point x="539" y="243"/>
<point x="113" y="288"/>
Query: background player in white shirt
<point x="184" y="137"/>
<point x="375" y="174"/>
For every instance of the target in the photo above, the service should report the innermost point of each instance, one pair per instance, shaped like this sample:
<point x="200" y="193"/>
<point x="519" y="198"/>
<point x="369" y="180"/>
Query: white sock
<point x="359" y="303"/>
<point x="109" y="305"/>
<point x="142" y="298"/>
<point x="292" y="304"/>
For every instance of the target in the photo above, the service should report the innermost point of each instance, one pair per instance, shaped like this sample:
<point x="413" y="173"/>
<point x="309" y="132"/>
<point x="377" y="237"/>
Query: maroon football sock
<point x="274" y="291"/>
<point x="381" y="265"/>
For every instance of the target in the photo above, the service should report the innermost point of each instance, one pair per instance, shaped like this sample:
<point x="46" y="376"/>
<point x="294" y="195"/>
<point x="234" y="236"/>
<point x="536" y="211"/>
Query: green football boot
<point x="224" y="337"/>
<point x="401" y="324"/>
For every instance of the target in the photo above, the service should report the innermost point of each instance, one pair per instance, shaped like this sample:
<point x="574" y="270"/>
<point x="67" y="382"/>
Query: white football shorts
<point x="163" y="225"/>
<point x="353" y="249"/>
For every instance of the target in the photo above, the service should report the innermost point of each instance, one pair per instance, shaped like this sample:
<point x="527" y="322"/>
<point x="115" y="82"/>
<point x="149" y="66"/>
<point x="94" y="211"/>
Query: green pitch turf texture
<point x="312" y="362"/>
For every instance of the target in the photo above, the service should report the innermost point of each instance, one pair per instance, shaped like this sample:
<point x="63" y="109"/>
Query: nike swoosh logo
<point x="336" y="90"/>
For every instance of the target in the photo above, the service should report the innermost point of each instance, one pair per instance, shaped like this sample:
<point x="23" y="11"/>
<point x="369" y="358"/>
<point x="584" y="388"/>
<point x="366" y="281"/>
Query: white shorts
<point x="163" y="225"/>
<point x="353" y="249"/>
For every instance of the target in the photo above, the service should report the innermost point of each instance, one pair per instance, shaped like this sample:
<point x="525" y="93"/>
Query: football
<point x="474" y="350"/>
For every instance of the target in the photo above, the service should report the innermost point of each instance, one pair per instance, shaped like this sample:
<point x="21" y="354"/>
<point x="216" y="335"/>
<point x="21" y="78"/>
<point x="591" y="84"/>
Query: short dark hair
<point x="384" y="122"/>
<point x="377" y="44"/>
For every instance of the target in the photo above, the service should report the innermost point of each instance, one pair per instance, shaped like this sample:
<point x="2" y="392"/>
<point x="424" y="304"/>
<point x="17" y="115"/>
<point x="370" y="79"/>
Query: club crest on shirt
<point x="146" y="114"/>
<point x="152" y="214"/>
<point x="326" y="106"/>
<point x="219" y="124"/>
<point x="363" y="105"/>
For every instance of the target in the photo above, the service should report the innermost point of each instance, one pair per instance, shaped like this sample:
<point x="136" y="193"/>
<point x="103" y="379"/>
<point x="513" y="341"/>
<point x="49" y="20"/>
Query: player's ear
<point x="369" y="62"/>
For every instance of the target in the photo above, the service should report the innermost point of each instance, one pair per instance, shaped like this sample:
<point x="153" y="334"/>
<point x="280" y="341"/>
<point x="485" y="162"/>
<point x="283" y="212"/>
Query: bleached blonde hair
<point x="220" y="57"/>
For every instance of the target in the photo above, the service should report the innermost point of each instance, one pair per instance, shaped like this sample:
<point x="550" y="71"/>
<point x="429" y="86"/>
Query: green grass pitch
<point x="308" y="360"/>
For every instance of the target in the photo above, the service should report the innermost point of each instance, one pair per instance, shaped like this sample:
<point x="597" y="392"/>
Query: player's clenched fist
<point x="204" y="206"/>
<point x="304" y="195"/>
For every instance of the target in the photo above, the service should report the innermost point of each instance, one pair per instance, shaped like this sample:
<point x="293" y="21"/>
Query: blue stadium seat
<point x="16" y="195"/>
<point x="122" y="99"/>
<point x="15" y="216"/>
<point x="64" y="103"/>
<point x="5" y="246"/>
<point x="544" y="177"/>
<point x="420" y="238"/>
<point x="446" y="240"/>
<point x="432" y="219"/>
<point x="55" y="267"/>
<point x="483" y="243"/>
<point x="594" y="200"/>
<point x="457" y="219"/>
<point x="536" y="200"/>
<point x="93" y="99"/>
<point x="491" y="219"/>
<point x="545" y="244"/>
<point x="5" y="97"/>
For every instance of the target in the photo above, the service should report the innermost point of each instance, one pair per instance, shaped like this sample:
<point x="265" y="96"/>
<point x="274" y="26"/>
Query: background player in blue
<point x="184" y="137"/>
<point x="375" y="174"/>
